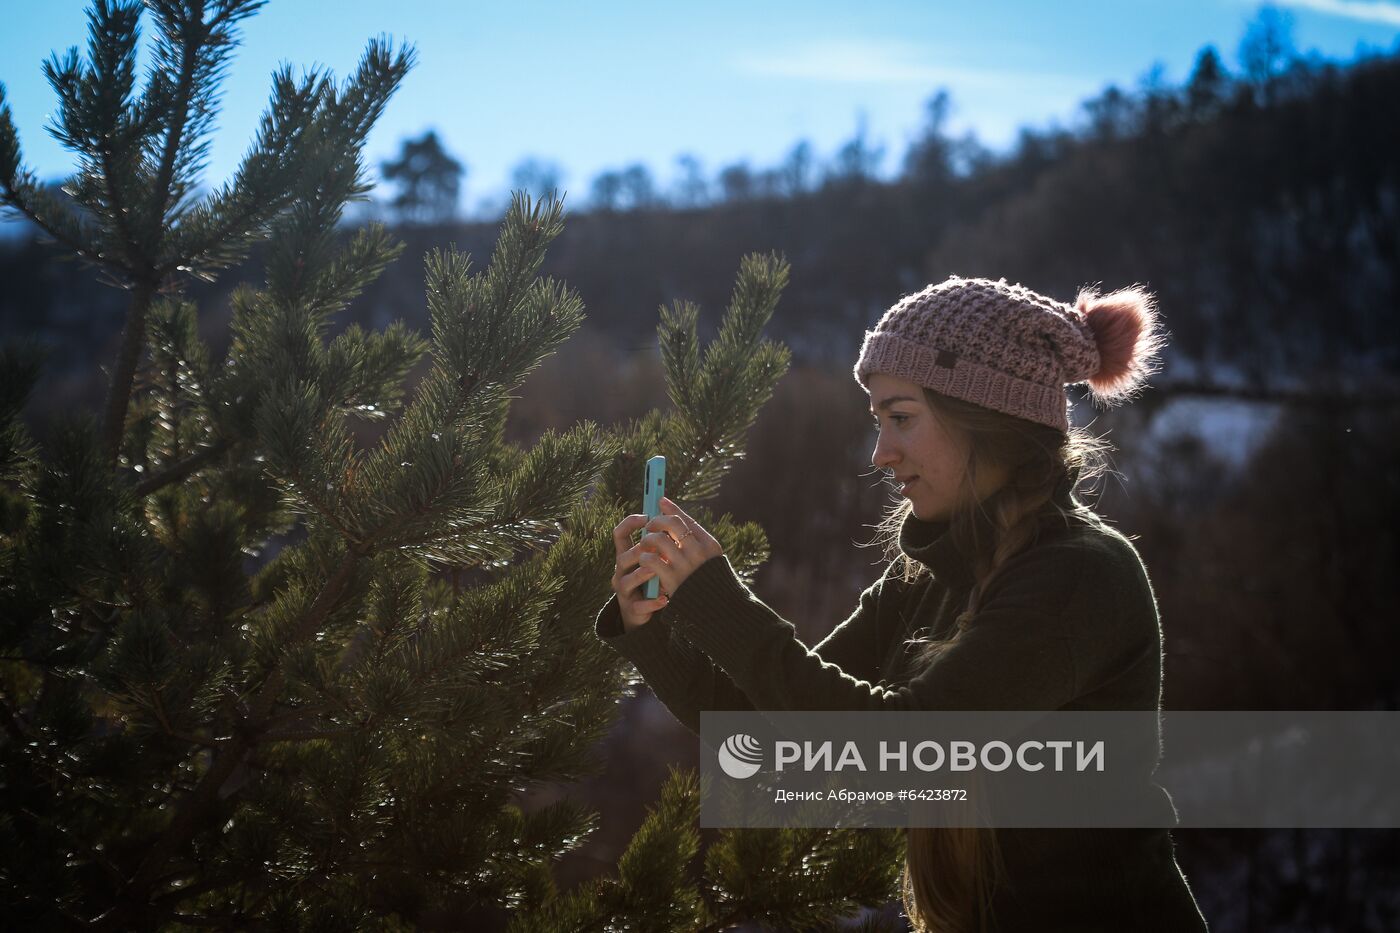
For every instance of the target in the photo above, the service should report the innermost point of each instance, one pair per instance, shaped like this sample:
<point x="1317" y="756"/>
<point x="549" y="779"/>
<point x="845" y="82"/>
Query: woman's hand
<point x="672" y="547"/>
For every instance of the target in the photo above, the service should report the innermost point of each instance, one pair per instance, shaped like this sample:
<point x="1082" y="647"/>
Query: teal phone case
<point x="652" y="492"/>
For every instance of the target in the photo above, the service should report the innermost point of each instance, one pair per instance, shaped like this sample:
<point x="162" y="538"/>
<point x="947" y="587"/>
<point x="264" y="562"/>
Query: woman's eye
<point x="898" y="419"/>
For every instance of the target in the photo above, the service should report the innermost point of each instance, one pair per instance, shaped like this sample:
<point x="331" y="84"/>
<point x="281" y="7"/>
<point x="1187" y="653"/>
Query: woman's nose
<point x="884" y="455"/>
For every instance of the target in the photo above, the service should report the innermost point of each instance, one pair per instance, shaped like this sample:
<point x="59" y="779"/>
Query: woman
<point x="1003" y="592"/>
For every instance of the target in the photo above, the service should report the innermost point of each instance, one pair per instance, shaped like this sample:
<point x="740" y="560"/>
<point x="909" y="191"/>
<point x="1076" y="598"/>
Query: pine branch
<point x="395" y="606"/>
<point x="181" y="25"/>
<point x="327" y="600"/>
<point x="324" y="509"/>
<point x="94" y="120"/>
<point x="718" y="400"/>
<point x="20" y="199"/>
<point x="724" y="922"/>
<point x="21" y="192"/>
<point x="112" y="74"/>
<point x="159" y="706"/>
<point x="280" y="720"/>
<point x="307" y="132"/>
<point x="214" y="921"/>
<point x="185" y="468"/>
<point x="196" y="806"/>
<point x="215" y="233"/>
<point x="184" y="94"/>
<point x="109" y="868"/>
<point x="306" y="446"/>
<point x="69" y="919"/>
<point x="188" y="891"/>
<point x="366" y="372"/>
<point x="124" y="374"/>
<point x="146" y="278"/>
<point x="305" y="735"/>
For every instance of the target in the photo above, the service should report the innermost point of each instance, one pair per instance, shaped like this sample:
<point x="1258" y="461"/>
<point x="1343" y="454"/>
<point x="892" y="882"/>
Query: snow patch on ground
<point x="1233" y="430"/>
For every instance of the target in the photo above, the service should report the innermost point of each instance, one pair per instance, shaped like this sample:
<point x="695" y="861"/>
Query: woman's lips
<point x="904" y="489"/>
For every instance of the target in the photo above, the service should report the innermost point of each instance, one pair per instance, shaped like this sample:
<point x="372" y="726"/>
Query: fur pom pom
<point x="1125" y="327"/>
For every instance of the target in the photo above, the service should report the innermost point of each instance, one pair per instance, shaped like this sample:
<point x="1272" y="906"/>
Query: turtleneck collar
<point x="931" y="543"/>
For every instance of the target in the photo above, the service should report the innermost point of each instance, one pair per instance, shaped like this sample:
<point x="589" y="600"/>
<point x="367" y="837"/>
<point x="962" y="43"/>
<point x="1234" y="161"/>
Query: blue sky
<point x="606" y="84"/>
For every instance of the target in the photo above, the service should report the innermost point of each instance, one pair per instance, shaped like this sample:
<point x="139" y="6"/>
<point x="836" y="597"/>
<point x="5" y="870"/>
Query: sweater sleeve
<point x="854" y="645"/>
<point x="682" y="677"/>
<point x="1041" y="637"/>
<point x="687" y="681"/>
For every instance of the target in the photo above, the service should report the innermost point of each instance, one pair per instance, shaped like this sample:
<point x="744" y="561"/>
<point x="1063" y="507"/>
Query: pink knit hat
<point x="1013" y="350"/>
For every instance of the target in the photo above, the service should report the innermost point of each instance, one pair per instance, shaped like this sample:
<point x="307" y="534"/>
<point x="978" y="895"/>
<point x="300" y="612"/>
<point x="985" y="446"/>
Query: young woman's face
<point x="927" y="457"/>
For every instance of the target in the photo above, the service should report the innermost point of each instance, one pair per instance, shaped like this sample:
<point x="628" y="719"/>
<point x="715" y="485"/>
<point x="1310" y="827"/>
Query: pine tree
<point x="429" y="180"/>
<point x="260" y="673"/>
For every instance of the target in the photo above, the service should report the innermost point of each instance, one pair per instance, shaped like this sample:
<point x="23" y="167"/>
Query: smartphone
<point x="652" y="491"/>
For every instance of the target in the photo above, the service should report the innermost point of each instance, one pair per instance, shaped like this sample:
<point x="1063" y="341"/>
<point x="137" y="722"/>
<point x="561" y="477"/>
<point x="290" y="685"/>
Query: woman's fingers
<point x="661" y="535"/>
<point x="661" y="542"/>
<point x="635" y="608"/>
<point x="636" y="564"/>
<point x="673" y="525"/>
<point x="707" y="545"/>
<point x="670" y="548"/>
<point x="622" y="533"/>
<point x="636" y="578"/>
<point x="632" y="586"/>
<point x="629" y="556"/>
<point x="665" y="574"/>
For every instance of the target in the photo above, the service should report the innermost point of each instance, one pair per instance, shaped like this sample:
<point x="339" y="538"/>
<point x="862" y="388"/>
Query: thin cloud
<point x="873" y="61"/>
<point x="1368" y="11"/>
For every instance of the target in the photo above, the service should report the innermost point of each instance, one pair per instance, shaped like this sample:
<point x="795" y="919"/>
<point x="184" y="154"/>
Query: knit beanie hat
<point x="1013" y="350"/>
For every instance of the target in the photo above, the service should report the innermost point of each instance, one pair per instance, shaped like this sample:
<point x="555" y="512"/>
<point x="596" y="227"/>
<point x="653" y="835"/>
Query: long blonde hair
<point x="950" y="874"/>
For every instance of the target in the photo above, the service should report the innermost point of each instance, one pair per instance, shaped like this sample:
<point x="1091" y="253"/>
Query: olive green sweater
<point x="1069" y="623"/>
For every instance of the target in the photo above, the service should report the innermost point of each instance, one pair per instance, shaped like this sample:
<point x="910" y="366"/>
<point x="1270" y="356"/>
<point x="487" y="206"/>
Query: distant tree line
<point x="1272" y="70"/>
<point x="1261" y="207"/>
